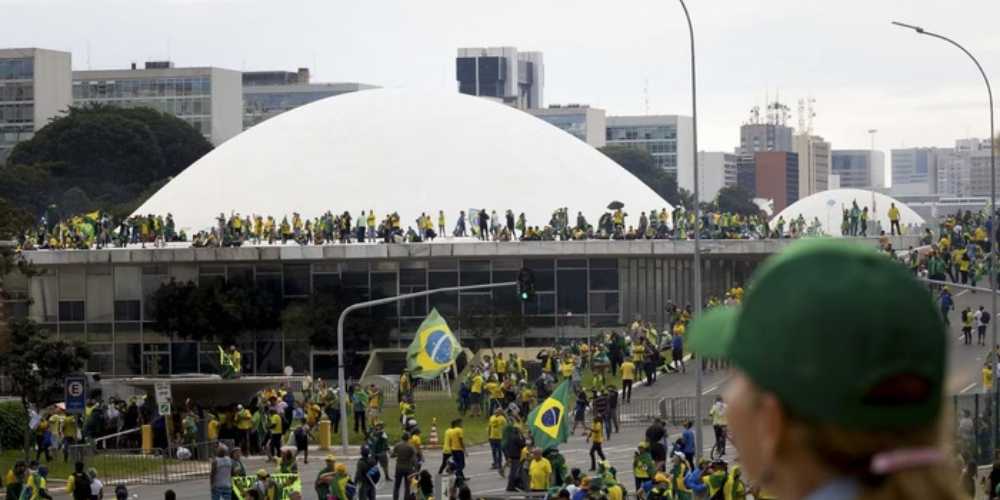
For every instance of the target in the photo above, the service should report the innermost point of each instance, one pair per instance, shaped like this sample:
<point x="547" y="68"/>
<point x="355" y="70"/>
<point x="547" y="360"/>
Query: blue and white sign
<point x="76" y="394"/>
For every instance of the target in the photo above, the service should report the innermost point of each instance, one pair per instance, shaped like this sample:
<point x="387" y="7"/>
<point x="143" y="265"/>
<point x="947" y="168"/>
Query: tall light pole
<point x="696" y="274"/>
<point x="993" y="175"/>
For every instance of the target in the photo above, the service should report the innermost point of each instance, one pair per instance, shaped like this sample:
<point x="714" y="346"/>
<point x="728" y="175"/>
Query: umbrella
<point x="615" y="205"/>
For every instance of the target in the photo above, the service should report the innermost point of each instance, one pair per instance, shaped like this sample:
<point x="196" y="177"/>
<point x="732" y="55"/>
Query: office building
<point x="269" y="93"/>
<point x="34" y="88"/>
<point x="914" y="171"/>
<point x="814" y="164"/>
<point x="716" y="170"/>
<point x="515" y="78"/>
<point x="776" y="177"/>
<point x="858" y="168"/>
<point x="979" y="173"/>
<point x="581" y="121"/>
<point x="208" y="98"/>
<point x="666" y="137"/>
<point x="755" y="137"/>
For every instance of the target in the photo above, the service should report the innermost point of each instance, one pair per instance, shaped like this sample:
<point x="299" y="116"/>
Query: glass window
<point x="603" y="279"/>
<point x="127" y="310"/>
<point x="413" y="277"/>
<point x="270" y="282"/>
<point x="544" y="276"/>
<point x="71" y="310"/>
<point x="544" y="304"/>
<point x="297" y="356"/>
<point x="325" y="281"/>
<point x="384" y="285"/>
<point x="475" y="272"/>
<point x="572" y="291"/>
<point x="184" y="357"/>
<point x="99" y="332"/>
<point x="604" y="303"/>
<point x="269" y="356"/>
<point x="128" y="359"/>
<point x="297" y="279"/>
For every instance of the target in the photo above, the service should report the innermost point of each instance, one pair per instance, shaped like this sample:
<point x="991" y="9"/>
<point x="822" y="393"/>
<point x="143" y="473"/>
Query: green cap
<point x="839" y="333"/>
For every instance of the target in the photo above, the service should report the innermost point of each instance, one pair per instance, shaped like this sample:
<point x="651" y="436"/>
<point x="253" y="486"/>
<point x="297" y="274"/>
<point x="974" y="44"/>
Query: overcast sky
<point x="863" y="73"/>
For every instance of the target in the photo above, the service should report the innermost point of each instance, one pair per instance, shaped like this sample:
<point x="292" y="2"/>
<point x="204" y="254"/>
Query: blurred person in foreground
<point x="832" y="396"/>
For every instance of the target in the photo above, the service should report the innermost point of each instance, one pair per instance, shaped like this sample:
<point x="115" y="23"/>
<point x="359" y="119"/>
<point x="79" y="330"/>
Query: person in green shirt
<point x="325" y="478"/>
<point x="359" y="401"/>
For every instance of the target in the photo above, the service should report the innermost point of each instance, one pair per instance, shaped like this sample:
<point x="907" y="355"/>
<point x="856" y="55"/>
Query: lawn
<point x="440" y="406"/>
<point x="109" y="467"/>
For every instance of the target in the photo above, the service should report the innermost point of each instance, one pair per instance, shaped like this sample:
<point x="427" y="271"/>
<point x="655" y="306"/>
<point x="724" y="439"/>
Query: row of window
<point x="17" y="113"/>
<point x="641" y="133"/>
<point x="17" y="91"/>
<point x="139" y="88"/>
<point x="17" y="69"/>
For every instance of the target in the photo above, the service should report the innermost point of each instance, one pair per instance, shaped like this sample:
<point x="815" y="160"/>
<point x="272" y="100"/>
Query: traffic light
<point x="526" y="285"/>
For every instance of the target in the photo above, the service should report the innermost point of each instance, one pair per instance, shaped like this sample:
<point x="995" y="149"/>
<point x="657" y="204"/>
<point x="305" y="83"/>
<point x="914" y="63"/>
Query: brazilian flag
<point x="548" y="424"/>
<point x="434" y="348"/>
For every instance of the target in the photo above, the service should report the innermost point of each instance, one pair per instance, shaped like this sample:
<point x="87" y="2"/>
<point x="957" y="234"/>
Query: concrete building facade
<point x="814" y="164"/>
<point x="208" y="98"/>
<point x="755" y="137"/>
<point x="516" y="78"/>
<point x="914" y="171"/>
<point x="716" y="170"/>
<point x="858" y="168"/>
<point x="34" y="88"/>
<point x="267" y="94"/>
<point x="666" y="137"/>
<point x="776" y="177"/>
<point x="581" y="121"/>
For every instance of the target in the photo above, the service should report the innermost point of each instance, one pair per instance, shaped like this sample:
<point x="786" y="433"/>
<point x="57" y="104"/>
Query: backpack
<point x="121" y="492"/>
<point x="985" y="318"/>
<point x="374" y="474"/>
<point x="350" y="489"/>
<point x="81" y="485"/>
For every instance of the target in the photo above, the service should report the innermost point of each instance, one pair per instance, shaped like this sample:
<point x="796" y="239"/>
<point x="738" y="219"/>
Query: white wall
<point x="53" y="85"/>
<point x="227" y="104"/>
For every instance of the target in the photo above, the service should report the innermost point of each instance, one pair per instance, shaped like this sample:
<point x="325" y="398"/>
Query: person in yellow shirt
<point x="987" y="378"/>
<point x="495" y="430"/>
<point x="494" y="392"/>
<point x="244" y="423"/>
<point x="275" y="427"/>
<point x="638" y="352"/>
<point x="894" y="219"/>
<point x="566" y="368"/>
<point x="455" y="441"/>
<point x="628" y="376"/>
<point x="500" y="365"/>
<point x="476" y="393"/>
<point x="596" y="438"/>
<point x="212" y="432"/>
<point x="539" y="472"/>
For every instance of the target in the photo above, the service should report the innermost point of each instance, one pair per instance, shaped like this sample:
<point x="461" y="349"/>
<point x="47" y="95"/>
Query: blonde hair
<point x="850" y="454"/>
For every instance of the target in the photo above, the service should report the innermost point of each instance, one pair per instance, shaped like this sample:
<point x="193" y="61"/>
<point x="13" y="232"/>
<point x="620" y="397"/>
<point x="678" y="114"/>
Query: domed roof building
<point x="828" y="207"/>
<point x="396" y="151"/>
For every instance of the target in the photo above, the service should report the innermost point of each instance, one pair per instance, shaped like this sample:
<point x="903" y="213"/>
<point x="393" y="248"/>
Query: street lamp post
<point x="993" y="175"/>
<point x="993" y="210"/>
<point x="696" y="272"/>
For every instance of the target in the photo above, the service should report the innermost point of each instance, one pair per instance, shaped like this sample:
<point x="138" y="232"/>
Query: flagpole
<point x="341" y="381"/>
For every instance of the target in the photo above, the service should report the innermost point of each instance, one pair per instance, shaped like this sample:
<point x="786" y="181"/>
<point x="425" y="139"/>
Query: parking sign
<point x="76" y="394"/>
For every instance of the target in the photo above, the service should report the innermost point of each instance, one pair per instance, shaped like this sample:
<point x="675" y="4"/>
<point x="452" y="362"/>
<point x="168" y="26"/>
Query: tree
<point x="14" y="221"/>
<point x="317" y="318"/>
<point x="219" y="311"/>
<point x="109" y="156"/>
<point x="488" y="324"/>
<point x="38" y="366"/>
<point x="640" y="163"/>
<point x="738" y="200"/>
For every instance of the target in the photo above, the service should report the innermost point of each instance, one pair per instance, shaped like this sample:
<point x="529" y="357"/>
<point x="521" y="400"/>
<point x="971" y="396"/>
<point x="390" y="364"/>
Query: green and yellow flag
<point x="434" y="348"/>
<point x="547" y="422"/>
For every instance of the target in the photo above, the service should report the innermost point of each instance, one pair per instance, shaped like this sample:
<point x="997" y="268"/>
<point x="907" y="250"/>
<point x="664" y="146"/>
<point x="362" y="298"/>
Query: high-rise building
<point x="914" y="171"/>
<point x="581" y="121"/>
<point x="716" y="170"/>
<point x="858" y="168"/>
<point x="756" y="137"/>
<point x="516" y="78"/>
<point x="208" y="98"/>
<point x="979" y="173"/>
<point x="666" y="137"/>
<point x="814" y="164"/>
<point x="269" y="93"/>
<point x="34" y="87"/>
<point x="772" y="175"/>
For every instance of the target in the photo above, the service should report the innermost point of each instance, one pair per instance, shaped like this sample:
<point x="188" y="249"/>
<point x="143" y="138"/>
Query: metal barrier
<point x="975" y="426"/>
<point x="638" y="412"/>
<point x="157" y="466"/>
<point x="681" y="409"/>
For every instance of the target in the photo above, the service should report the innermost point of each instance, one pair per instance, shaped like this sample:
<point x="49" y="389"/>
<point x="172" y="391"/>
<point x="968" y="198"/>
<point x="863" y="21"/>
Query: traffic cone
<point x="433" y="442"/>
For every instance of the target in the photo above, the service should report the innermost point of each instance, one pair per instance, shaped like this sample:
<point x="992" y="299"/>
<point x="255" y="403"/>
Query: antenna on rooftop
<point x="645" y="94"/>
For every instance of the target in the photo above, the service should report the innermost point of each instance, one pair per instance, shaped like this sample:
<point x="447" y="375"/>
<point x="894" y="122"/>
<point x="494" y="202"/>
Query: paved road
<point x="966" y="361"/>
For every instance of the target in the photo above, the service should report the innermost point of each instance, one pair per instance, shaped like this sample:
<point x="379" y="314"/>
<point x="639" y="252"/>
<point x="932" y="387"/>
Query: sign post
<point x="76" y="394"/>
<point x="163" y="398"/>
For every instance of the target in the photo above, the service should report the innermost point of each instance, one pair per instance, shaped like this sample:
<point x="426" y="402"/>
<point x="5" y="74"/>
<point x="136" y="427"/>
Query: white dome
<point x="828" y="207"/>
<point x="405" y="152"/>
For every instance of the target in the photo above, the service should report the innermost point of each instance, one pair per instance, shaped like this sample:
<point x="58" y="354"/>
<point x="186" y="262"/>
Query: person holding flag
<point x="547" y="422"/>
<point x="230" y="361"/>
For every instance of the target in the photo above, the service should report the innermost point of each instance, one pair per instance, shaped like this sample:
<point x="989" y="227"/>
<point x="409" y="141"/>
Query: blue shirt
<point x="688" y="437"/>
<point x="677" y="343"/>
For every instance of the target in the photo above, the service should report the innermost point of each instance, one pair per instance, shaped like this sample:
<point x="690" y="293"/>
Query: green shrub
<point x="12" y="425"/>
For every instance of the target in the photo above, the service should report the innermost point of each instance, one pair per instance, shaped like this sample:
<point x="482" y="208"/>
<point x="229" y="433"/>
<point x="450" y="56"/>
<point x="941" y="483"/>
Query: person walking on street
<point x="455" y="439"/>
<point x="982" y="321"/>
<point x="221" y="475"/>
<point x="875" y="430"/>
<point x="718" y="414"/>
<point x="946" y="304"/>
<point x="596" y="438"/>
<point x="628" y="375"/>
<point x="406" y="464"/>
<point x="495" y="428"/>
<point x="689" y="445"/>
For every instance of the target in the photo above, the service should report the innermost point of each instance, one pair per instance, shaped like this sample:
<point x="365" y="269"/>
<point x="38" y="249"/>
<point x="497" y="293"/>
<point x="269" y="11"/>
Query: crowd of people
<point x="100" y="230"/>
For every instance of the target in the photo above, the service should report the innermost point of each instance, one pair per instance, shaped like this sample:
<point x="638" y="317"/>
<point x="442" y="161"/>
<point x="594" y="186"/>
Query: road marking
<point x="968" y="388"/>
<point x="963" y="292"/>
<point x="710" y="389"/>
